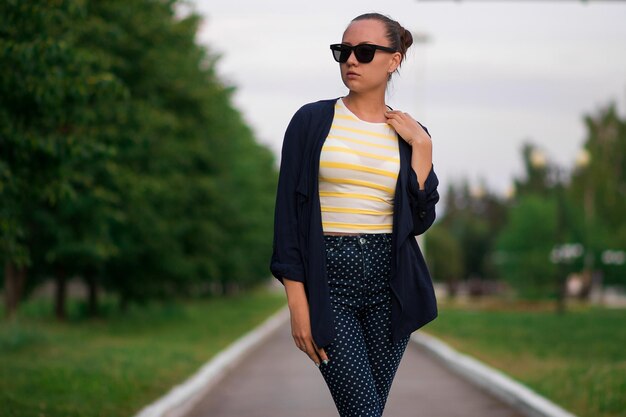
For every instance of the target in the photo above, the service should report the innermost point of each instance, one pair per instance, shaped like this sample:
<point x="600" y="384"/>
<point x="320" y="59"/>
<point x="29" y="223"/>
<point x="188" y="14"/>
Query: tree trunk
<point x="452" y="284"/>
<point x="14" y="281"/>
<point x="92" y="293"/>
<point x="60" y="295"/>
<point x="561" y="302"/>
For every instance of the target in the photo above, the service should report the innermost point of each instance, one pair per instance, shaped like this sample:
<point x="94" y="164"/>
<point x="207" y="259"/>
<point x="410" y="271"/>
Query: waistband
<point x="361" y="238"/>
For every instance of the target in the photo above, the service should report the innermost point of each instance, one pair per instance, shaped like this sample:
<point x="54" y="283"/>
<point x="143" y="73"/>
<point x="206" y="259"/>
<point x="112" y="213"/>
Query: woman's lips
<point x="352" y="75"/>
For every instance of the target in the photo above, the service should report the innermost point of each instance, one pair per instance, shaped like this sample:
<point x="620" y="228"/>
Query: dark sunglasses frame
<point x="364" y="52"/>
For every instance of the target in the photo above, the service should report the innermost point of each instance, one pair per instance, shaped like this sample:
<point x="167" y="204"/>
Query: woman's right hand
<point x="301" y="332"/>
<point x="301" y="323"/>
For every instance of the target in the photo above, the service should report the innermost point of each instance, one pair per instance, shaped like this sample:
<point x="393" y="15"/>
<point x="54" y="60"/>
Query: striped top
<point x="359" y="166"/>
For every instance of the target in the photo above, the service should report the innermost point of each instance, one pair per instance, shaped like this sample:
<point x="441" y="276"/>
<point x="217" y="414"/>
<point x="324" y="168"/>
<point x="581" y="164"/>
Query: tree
<point x="473" y="217"/>
<point x="49" y="94"/>
<point x="123" y="160"/>
<point x="445" y="257"/>
<point x="599" y="188"/>
<point x="524" y="245"/>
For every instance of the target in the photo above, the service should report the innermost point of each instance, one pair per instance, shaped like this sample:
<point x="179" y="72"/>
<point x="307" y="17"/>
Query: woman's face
<point x="360" y="77"/>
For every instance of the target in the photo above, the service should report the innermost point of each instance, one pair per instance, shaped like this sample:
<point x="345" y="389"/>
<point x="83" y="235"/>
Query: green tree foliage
<point x="54" y="100"/>
<point x="445" y="256"/>
<point x="554" y="207"/>
<point x="525" y="244"/>
<point x="473" y="217"/>
<point x="599" y="189"/>
<point x="122" y="158"/>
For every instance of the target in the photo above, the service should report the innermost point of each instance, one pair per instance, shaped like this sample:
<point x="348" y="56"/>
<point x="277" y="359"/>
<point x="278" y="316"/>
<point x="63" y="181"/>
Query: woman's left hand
<point x="421" y="145"/>
<point x="408" y="128"/>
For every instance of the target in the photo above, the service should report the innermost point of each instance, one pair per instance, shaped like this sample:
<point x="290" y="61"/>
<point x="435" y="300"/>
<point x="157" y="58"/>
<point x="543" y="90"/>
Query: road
<point x="278" y="380"/>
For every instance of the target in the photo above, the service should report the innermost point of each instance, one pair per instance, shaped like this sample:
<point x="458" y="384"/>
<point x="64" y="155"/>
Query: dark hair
<point x="400" y="38"/>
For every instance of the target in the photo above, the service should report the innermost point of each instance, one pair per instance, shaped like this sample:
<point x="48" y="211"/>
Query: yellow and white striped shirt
<point x="359" y="166"/>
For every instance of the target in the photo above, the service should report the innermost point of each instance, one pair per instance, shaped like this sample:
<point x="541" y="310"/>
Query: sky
<point x="486" y="76"/>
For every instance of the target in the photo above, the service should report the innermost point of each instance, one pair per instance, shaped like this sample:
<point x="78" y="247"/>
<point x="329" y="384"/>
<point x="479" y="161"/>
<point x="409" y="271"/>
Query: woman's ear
<point x="395" y="62"/>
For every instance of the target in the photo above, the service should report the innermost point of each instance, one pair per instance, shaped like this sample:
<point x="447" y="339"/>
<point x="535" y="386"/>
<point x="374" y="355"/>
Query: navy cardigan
<point x="299" y="247"/>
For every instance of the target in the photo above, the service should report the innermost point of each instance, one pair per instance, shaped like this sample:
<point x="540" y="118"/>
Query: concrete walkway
<point x="280" y="381"/>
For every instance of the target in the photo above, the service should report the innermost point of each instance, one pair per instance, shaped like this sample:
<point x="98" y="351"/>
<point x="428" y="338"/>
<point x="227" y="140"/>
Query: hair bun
<point x="406" y="38"/>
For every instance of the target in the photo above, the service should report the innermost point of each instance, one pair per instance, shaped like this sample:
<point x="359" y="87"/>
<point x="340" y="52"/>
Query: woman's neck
<point x="368" y="107"/>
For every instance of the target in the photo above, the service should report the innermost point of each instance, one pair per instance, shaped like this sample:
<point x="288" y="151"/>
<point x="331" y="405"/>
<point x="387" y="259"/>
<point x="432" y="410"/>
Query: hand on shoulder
<point x="408" y="128"/>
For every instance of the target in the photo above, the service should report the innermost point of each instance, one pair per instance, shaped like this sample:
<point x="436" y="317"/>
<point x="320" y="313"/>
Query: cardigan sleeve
<point x="423" y="202"/>
<point x="286" y="260"/>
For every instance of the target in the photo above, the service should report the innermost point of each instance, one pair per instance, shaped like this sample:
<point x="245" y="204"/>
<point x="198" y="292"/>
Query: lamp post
<point x="562" y="253"/>
<point x="421" y="38"/>
<point x="583" y="158"/>
<point x="566" y="253"/>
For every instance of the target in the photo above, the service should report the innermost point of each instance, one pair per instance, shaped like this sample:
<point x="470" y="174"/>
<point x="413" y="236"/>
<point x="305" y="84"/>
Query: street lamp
<point x="537" y="158"/>
<point x="509" y="194"/>
<point x="477" y="192"/>
<point x="582" y="161"/>
<point x="561" y="226"/>
<point x="583" y="158"/>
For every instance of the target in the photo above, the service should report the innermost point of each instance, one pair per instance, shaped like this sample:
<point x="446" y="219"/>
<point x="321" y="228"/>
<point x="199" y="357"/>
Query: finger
<point x="392" y="119"/>
<point x="396" y="117"/>
<point x="312" y="352"/>
<point x="313" y="356"/>
<point x="322" y="354"/>
<point x="393" y="123"/>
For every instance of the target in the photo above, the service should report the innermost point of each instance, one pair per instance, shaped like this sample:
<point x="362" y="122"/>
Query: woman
<point x="356" y="185"/>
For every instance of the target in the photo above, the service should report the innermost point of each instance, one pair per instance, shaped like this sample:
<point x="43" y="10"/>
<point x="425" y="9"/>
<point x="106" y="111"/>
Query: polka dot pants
<point x="363" y="359"/>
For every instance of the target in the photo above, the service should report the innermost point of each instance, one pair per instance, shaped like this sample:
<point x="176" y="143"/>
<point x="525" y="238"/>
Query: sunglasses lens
<point x="364" y="53"/>
<point x="336" y="49"/>
<point x="340" y="53"/>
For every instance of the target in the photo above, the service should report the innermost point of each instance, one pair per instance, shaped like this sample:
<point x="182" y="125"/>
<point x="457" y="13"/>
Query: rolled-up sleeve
<point x="423" y="201"/>
<point x="286" y="261"/>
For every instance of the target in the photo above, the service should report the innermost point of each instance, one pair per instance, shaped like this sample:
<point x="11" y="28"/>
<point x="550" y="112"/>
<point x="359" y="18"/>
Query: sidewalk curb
<point x="502" y="386"/>
<point x="183" y="397"/>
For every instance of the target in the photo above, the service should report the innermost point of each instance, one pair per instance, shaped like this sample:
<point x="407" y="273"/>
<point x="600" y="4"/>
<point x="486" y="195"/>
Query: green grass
<point x="577" y="360"/>
<point x="116" y="365"/>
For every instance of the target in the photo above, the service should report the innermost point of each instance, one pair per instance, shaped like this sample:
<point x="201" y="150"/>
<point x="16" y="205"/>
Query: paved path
<point x="280" y="381"/>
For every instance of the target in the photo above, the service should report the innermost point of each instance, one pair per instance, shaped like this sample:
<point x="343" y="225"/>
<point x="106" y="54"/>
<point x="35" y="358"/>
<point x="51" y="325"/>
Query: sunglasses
<point x="363" y="52"/>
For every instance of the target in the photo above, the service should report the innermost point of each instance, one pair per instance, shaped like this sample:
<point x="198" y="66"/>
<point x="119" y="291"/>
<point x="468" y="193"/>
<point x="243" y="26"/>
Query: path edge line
<point x="502" y="386"/>
<point x="184" y="396"/>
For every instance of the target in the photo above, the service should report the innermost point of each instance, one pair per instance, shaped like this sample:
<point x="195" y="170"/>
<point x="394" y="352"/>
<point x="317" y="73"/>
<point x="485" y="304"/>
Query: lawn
<point x="577" y="359"/>
<point x="115" y="365"/>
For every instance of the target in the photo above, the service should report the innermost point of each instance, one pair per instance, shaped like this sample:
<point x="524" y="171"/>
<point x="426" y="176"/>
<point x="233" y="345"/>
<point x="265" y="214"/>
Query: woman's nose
<point x="352" y="58"/>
